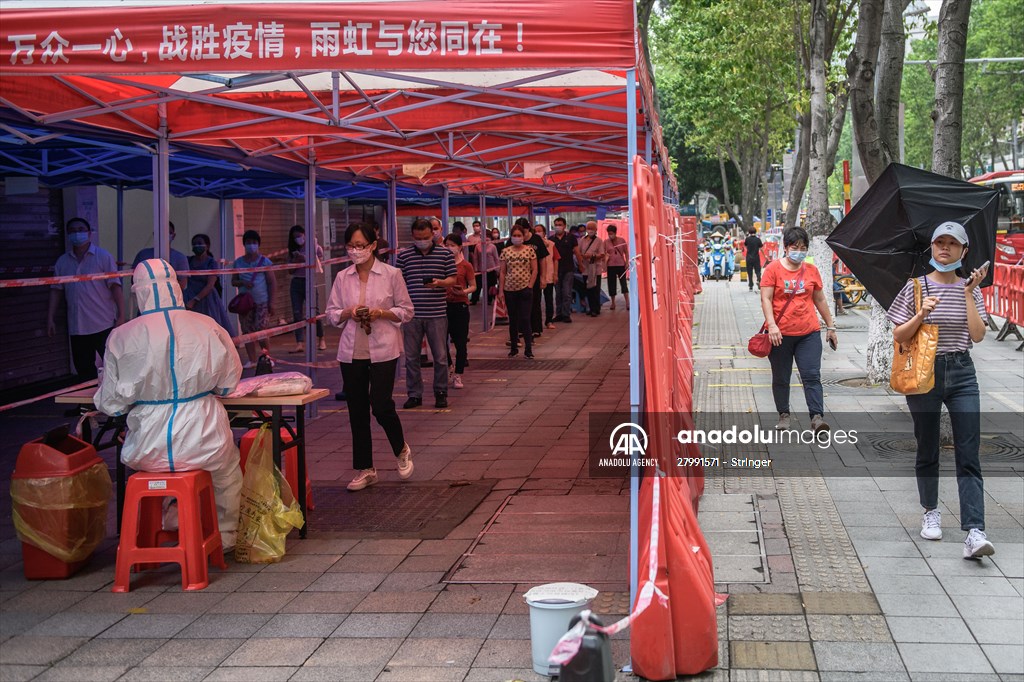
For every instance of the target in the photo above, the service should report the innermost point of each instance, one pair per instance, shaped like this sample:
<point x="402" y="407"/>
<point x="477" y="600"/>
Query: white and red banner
<point x="325" y="36"/>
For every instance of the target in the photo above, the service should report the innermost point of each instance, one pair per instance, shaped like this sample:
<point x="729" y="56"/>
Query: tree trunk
<point x="725" y="180"/>
<point x="949" y="87"/>
<point x="890" y="61"/>
<point x="879" y="352"/>
<point x="817" y="205"/>
<point x="860" y="67"/>
<point x="801" y="168"/>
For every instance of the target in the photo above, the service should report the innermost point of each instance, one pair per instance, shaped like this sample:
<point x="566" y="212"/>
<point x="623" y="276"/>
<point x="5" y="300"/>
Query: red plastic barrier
<point x="680" y="637"/>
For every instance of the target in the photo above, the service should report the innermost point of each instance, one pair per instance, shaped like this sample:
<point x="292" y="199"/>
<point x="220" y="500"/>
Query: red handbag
<point x="759" y="344"/>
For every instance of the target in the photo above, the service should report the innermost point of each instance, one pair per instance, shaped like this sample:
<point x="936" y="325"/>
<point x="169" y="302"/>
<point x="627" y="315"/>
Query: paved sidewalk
<point x="838" y="584"/>
<point x="362" y="606"/>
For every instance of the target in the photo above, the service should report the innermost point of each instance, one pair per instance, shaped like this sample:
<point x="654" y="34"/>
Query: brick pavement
<point x="850" y="591"/>
<point x="341" y="606"/>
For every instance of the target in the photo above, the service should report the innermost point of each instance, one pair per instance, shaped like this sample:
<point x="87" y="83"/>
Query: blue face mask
<point x="796" y="256"/>
<point x="422" y="244"/>
<point x="946" y="268"/>
<point x="78" y="238"/>
<point x="252" y="249"/>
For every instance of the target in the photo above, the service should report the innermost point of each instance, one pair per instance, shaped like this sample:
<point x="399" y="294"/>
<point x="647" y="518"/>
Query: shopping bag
<point x="268" y="510"/>
<point x="913" y="363"/>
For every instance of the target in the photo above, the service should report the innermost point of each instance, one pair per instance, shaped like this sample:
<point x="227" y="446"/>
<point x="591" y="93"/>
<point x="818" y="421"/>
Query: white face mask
<point x="360" y="255"/>
<point x="455" y="250"/>
<point x="559" y="228"/>
<point x="301" y="241"/>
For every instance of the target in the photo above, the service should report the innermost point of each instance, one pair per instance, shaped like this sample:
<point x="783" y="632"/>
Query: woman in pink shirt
<point x="369" y="302"/>
<point x="618" y="251"/>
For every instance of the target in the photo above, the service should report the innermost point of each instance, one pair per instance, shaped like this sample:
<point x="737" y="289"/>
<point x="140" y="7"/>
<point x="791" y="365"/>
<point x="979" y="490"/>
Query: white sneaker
<point x="977" y="545"/>
<point x="818" y="423"/>
<point x="931" y="525"/>
<point x="783" y="421"/>
<point x="457" y="382"/>
<point x="405" y="465"/>
<point x="364" y="478"/>
<point x="248" y="364"/>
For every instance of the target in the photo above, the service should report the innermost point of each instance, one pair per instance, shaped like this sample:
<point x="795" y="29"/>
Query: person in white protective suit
<point x="163" y="369"/>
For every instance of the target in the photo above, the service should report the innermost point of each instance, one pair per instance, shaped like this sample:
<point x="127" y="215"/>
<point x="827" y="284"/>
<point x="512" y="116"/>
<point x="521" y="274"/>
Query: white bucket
<point x="552" y="606"/>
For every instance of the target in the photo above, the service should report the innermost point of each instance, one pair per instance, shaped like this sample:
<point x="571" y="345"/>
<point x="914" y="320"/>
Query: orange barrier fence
<point x="679" y="636"/>
<point x="1005" y="299"/>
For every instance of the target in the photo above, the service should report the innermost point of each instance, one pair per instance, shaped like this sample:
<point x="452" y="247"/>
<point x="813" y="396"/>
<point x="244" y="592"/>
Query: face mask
<point x="301" y="241"/>
<point x="78" y="238"/>
<point x="517" y="241"/>
<point x="360" y="256"/>
<point x="559" y="229"/>
<point x="591" y="234"/>
<point x="476" y="229"/>
<point x="455" y="250"/>
<point x="796" y="256"/>
<point x="198" y="250"/>
<point x="422" y="244"/>
<point x="946" y="268"/>
<point x="252" y="249"/>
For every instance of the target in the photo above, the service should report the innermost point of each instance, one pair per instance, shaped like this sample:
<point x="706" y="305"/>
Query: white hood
<point x="155" y="285"/>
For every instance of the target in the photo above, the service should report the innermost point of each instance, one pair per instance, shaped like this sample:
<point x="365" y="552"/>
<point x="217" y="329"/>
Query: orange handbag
<point x="913" y="363"/>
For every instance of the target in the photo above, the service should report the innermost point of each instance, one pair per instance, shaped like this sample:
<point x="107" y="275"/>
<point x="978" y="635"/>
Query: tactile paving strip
<point x="823" y="555"/>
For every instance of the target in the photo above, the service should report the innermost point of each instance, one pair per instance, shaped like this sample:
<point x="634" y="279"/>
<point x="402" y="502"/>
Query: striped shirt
<point x="950" y="314"/>
<point x="437" y="263"/>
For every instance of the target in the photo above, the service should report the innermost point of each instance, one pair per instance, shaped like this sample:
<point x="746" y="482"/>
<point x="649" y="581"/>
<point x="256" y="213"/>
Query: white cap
<point x="954" y="230"/>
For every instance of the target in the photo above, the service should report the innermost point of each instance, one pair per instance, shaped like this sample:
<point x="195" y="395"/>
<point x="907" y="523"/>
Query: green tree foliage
<point x="695" y="170"/>
<point x="993" y="92"/>
<point x="727" y="74"/>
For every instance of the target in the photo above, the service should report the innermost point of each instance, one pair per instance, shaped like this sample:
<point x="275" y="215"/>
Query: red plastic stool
<point x="197" y="537"/>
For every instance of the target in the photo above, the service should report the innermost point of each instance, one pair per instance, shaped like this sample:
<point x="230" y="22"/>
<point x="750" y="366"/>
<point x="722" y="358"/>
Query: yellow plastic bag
<point x="268" y="510"/>
<point x="64" y="516"/>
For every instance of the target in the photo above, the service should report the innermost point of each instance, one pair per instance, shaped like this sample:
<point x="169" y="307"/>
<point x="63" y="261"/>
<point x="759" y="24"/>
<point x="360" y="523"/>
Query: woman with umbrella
<point x="956" y="306"/>
<point x="790" y="294"/>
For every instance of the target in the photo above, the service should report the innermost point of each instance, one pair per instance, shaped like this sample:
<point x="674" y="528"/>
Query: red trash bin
<point x="59" y="496"/>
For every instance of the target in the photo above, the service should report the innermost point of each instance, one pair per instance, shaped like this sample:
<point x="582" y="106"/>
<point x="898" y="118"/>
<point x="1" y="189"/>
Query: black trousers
<point x="753" y="266"/>
<point x="549" y="304"/>
<point x="492" y="281"/>
<point x="535" y="319"/>
<point x="458" y="332"/>
<point x="84" y="349"/>
<point x="369" y="387"/>
<point x="617" y="277"/>
<point x="594" y="299"/>
<point x="519" y="304"/>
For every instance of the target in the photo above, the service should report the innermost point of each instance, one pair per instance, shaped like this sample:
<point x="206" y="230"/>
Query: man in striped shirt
<point x="427" y="268"/>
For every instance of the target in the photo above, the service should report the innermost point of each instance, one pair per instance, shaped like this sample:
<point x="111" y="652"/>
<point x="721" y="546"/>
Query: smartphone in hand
<point x="832" y="344"/>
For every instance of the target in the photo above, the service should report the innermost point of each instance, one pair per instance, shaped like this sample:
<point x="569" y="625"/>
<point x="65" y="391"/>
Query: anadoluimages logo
<point x="629" y="440"/>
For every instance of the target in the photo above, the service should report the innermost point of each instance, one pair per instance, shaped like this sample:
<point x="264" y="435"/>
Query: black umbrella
<point x="885" y="239"/>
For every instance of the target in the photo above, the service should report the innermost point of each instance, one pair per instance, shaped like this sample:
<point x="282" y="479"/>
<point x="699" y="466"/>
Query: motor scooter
<point x="719" y="260"/>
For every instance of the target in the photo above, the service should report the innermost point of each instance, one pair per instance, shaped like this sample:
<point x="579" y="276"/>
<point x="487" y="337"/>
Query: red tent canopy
<point x="511" y="100"/>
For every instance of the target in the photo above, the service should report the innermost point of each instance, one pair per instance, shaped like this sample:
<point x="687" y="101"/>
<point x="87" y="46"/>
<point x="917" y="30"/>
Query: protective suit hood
<point x="156" y="288"/>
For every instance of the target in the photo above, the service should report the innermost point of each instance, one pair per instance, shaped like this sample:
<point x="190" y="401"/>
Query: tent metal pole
<point x="508" y="204"/>
<point x="310" y="309"/>
<point x="225" y="238"/>
<point x="161" y="210"/>
<point x="634" y="331"/>
<point x="120" y="222"/>
<point x="533" y="218"/>
<point x="392" y="219"/>
<point x="444" y="210"/>
<point x="648" y="153"/>
<point x="484" y="238"/>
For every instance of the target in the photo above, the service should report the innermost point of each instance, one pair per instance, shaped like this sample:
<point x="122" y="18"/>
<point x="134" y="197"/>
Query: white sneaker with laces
<point x="931" y="525"/>
<point x="783" y="421"/>
<point x="364" y="478"/>
<point x="977" y="545"/>
<point x="405" y="465"/>
<point x="457" y="382"/>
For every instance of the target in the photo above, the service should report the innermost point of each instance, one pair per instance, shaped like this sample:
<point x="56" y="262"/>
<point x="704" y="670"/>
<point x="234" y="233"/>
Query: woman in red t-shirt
<point x="458" y="308"/>
<point x="793" y="326"/>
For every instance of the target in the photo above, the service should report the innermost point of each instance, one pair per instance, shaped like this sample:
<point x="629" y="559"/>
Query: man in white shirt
<point x="95" y="307"/>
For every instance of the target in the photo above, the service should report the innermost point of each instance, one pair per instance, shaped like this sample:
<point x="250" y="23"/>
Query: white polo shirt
<point x="91" y="306"/>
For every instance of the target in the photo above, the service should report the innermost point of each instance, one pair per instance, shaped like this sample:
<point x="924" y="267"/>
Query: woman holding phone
<point x="369" y="301"/>
<point x="956" y="305"/>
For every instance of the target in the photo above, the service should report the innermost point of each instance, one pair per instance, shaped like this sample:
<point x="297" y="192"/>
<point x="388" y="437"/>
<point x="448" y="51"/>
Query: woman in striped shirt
<point x="956" y="306"/>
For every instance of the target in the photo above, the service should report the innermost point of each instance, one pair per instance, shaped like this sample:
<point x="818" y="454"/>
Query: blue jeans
<point x="298" y="294"/>
<point x="806" y="350"/>
<point x="956" y="386"/>
<point x="436" y="331"/>
<point x="563" y="294"/>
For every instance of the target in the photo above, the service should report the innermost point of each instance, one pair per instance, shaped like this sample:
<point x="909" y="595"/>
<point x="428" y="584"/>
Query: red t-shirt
<point x="801" y="316"/>
<point x="464" y="275"/>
